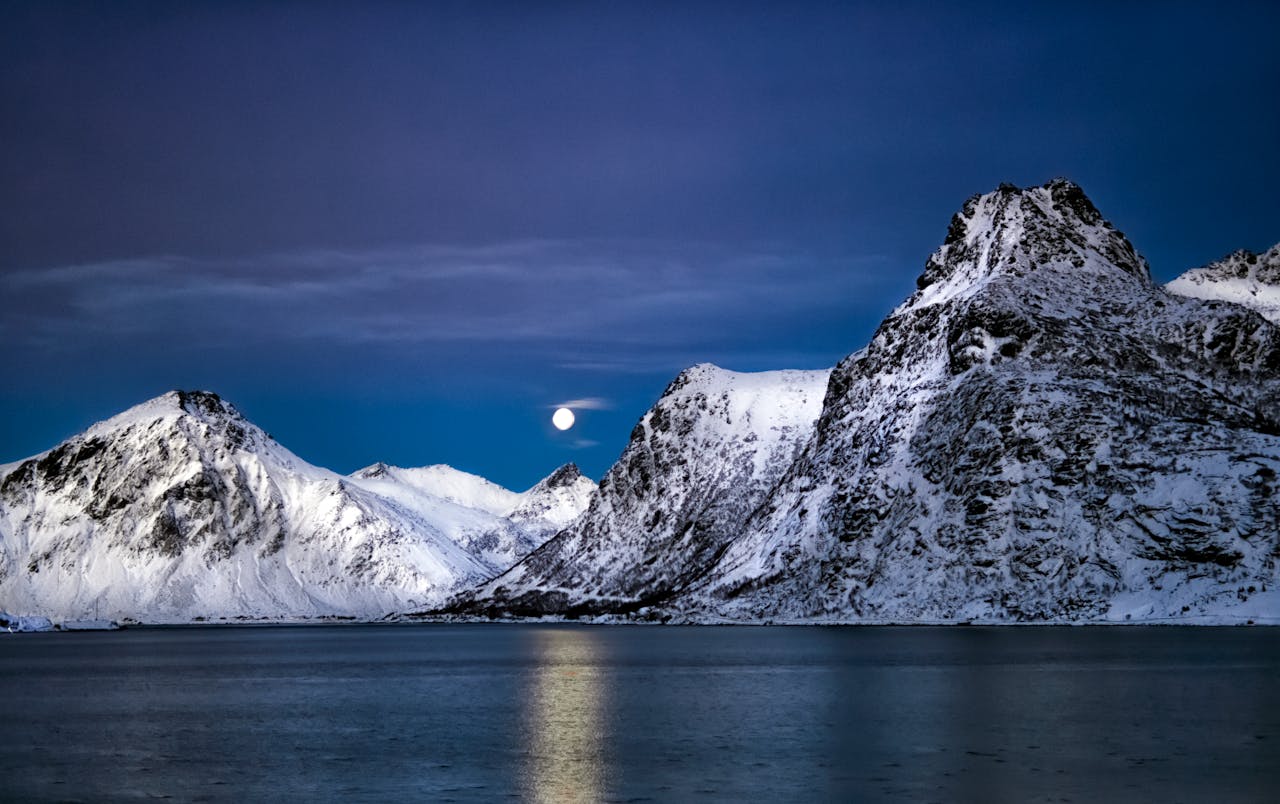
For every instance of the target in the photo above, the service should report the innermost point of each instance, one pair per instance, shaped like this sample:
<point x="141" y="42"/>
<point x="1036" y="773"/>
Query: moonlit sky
<point x="408" y="231"/>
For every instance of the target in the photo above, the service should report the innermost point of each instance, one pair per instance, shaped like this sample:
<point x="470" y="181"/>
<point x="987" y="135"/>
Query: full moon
<point x="562" y="418"/>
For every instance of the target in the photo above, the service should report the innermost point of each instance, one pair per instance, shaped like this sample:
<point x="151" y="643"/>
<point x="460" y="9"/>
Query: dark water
<point x="580" y="713"/>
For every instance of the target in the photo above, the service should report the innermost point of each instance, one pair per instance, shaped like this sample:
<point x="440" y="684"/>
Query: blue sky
<point x="405" y="232"/>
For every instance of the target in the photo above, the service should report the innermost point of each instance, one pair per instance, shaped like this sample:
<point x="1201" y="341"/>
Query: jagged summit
<point x="1015" y="232"/>
<point x="1038" y="433"/>
<point x="1243" y="277"/>
<point x="557" y="499"/>
<point x="1261" y="267"/>
<point x="564" y="476"/>
<point x="372" y="471"/>
<point x="202" y="415"/>
<point x="201" y="404"/>
<point x="1038" y="276"/>
<point x="198" y="423"/>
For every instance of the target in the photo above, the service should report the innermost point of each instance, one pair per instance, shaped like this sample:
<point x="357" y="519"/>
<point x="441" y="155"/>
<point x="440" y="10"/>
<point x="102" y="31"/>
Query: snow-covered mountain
<point x="1248" y="279"/>
<point x="443" y="482"/>
<point x="556" y="500"/>
<point x="494" y="524"/>
<point x="1039" y="433"/>
<point x="698" y="464"/>
<point x="179" y="509"/>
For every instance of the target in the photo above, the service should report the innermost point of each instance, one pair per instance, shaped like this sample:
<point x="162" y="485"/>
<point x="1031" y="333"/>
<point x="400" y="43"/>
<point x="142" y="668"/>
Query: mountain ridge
<point x="729" y="430"/>
<point x="1242" y="277"/>
<point x="1011" y="446"/>
<point x="1037" y="433"/>
<point x="180" y="509"/>
<point x="1064" y="318"/>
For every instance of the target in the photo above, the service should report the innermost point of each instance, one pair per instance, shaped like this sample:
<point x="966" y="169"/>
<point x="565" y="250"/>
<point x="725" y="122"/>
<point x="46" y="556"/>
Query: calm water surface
<point x="582" y="713"/>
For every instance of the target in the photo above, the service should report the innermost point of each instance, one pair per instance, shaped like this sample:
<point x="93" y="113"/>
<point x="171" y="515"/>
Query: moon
<point x="562" y="418"/>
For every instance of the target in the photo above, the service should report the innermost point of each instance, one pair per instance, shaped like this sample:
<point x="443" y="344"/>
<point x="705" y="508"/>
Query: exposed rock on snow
<point x="556" y="500"/>
<point x="1039" y="433"/>
<point x="698" y="464"/>
<point x="179" y="509"/>
<point x="1248" y="279"/>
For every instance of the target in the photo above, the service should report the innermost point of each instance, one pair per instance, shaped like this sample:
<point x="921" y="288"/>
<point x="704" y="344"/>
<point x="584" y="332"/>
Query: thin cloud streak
<point x="621" y="297"/>
<point x="588" y="403"/>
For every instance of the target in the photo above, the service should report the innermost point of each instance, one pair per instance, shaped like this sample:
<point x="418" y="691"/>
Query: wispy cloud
<point x="587" y="403"/>
<point x="589" y="305"/>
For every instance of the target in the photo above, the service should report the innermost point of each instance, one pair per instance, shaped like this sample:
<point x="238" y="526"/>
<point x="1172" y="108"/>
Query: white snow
<point x="707" y="452"/>
<point x="173" y="513"/>
<point x="443" y="482"/>
<point x="1250" y="280"/>
<point x="1039" y="433"/>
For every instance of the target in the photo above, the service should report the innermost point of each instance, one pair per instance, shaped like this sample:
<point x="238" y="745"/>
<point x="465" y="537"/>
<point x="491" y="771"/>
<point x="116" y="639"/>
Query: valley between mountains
<point x="1038" y="434"/>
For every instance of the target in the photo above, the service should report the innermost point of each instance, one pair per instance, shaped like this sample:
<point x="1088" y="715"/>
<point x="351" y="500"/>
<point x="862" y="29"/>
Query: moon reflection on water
<point x="565" y="720"/>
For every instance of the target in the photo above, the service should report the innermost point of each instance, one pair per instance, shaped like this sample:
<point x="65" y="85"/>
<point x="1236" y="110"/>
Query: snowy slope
<point x="697" y="465"/>
<point x="179" y="509"/>
<point x="446" y="483"/>
<point x="1039" y="433"/>
<point x="556" y="501"/>
<point x="496" y="525"/>
<point x="1248" y="279"/>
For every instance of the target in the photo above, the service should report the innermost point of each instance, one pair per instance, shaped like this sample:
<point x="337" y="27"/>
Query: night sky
<point x="406" y="232"/>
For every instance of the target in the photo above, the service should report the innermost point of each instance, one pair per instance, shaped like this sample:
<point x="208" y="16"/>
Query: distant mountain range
<point x="180" y="510"/>
<point x="1039" y="433"/>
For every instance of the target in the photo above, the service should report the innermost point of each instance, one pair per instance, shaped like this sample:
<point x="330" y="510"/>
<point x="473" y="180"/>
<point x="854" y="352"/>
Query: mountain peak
<point x="1244" y="277"/>
<point x="565" y="476"/>
<point x="373" y="471"/>
<point x="204" y="406"/>
<point x="445" y="483"/>
<point x="557" y="499"/>
<point x="1066" y="194"/>
<point x="697" y="373"/>
<point x="1014" y="231"/>
<point x="1263" y="268"/>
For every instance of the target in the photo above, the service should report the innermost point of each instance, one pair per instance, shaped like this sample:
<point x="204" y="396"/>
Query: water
<point x="581" y="713"/>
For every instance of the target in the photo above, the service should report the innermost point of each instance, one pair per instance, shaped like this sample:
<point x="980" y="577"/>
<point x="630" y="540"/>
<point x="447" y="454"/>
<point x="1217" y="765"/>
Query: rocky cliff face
<point x="698" y="464"/>
<point x="180" y="509"/>
<point x="1038" y="433"/>
<point x="1248" y="279"/>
